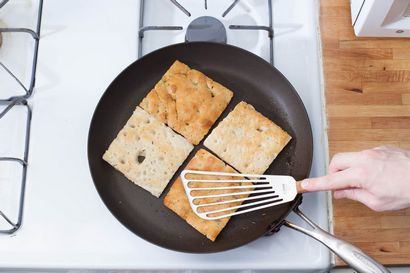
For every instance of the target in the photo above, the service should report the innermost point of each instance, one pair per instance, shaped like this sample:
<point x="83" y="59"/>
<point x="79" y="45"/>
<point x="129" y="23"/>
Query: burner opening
<point x="206" y="29"/>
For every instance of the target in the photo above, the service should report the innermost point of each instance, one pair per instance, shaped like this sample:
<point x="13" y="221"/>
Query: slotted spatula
<point x="256" y="192"/>
<point x="240" y="196"/>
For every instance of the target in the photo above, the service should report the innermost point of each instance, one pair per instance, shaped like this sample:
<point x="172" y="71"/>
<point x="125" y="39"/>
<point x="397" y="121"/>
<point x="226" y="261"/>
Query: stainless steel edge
<point x="349" y="253"/>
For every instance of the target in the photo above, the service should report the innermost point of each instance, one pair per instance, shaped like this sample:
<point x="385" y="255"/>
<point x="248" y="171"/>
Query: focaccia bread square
<point x="187" y="101"/>
<point x="247" y="140"/>
<point x="147" y="152"/>
<point x="177" y="201"/>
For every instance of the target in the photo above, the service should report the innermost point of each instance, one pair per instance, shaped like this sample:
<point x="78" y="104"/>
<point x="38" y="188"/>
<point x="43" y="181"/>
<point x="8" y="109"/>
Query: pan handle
<point x="349" y="253"/>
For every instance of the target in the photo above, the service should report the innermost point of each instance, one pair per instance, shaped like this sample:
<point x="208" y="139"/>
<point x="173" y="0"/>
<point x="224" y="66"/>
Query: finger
<point x="348" y="193"/>
<point x="384" y="147"/>
<point x="359" y="195"/>
<point x="380" y="148"/>
<point x="343" y="161"/>
<point x="336" y="181"/>
<point x="388" y="148"/>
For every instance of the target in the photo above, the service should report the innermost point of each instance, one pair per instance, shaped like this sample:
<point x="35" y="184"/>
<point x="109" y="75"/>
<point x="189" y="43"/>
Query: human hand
<point x="378" y="178"/>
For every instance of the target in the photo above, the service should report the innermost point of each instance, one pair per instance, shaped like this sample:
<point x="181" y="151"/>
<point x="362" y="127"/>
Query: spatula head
<point x="215" y="195"/>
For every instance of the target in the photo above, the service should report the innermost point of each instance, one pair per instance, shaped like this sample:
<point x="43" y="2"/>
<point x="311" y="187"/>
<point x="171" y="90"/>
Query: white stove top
<point x="249" y="12"/>
<point x="84" y="45"/>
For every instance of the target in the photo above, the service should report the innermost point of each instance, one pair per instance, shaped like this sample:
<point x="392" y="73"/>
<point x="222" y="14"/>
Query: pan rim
<point x="276" y="224"/>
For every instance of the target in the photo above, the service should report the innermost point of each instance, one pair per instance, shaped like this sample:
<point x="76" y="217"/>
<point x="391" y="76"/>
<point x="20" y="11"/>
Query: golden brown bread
<point x="187" y="101"/>
<point x="177" y="201"/>
<point x="147" y="152"/>
<point x="247" y="140"/>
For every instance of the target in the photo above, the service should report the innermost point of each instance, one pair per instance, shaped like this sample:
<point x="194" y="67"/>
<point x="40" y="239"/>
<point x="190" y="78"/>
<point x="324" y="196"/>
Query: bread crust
<point x="177" y="201"/>
<point x="147" y="152"/>
<point x="247" y="140"/>
<point x="187" y="101"/>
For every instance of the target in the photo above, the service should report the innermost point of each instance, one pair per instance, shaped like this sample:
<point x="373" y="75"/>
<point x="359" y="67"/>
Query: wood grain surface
<point x="367" y="82"/>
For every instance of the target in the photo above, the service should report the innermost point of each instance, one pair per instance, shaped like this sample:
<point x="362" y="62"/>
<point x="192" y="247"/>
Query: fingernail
<point x="305" y="184"/>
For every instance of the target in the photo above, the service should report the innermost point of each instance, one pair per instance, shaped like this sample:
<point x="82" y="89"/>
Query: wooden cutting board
<point x="367" y="83"/>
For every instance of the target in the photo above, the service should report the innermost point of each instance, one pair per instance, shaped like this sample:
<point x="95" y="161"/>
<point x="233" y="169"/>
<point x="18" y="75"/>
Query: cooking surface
<point x="367" y="93"/>
<point x="81" y="51"/>
<point x="273" y="96"/>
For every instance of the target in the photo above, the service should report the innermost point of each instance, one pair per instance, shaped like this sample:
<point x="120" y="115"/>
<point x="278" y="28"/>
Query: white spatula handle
<point x="349" y="253"/>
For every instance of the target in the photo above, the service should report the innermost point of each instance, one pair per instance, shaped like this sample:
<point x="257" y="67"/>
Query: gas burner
<point x="206" y="28"/>
<point x="224" y="21"/>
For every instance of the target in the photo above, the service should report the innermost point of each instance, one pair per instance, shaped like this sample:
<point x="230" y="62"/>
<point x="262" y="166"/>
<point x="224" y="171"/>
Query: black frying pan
<point x="252" y="80"/>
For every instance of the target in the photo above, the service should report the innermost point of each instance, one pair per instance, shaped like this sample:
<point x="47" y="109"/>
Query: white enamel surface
<point x="383" y="19"/>
<point x="254" y="12"/>
<point x="355" y="6"/>
<point x="84" y="45"/>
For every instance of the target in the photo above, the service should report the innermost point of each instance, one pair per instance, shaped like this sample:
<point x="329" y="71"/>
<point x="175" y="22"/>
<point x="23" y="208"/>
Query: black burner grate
<point x="213" y="32"/>
<point x="14" y="101"/>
